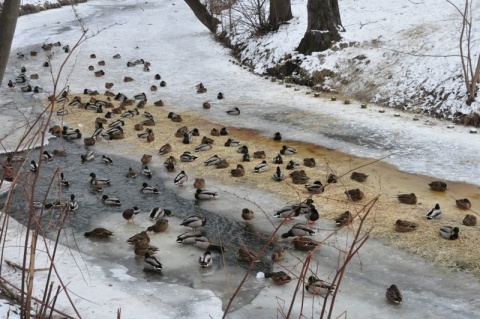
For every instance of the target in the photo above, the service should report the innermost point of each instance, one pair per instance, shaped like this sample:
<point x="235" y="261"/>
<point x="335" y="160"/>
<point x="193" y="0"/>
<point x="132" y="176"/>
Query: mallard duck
<point x="277" y="136"/>
<point x="141" y="237"/>
<point x="247" y="256"/>
<point x="147" y="172"/>
<point x="97" y="188"/>
<point x="145" y="134"/>
<point x="148" y="122"/>
<point x="98" y="131"/>
<point x="224" y="131"/>
<point x="438" y="186"/>
<point x="195" y="132"/>
<point x="299" y="230"/>
<point x="232" y="143"/>
<point x="160" y="226"/>
<point x="152" y="263"/>
<point x="206" y="105"/>
<point x="359" y="177"/>
<point x="434" y="212"/>
<point x="449" y="232"/>
<point x="305" y="243"/>
<point x="199" y="183"/>
<point x="73" y="135"/>
<point x="174" y="117"/>
<point x="59" y="153"/>
<point x="203" y="147"/>
<point x="180" y="178"/>
<point x="207" y="140"/>
<point x="243" y="149"/>
<point x="188" y="157"/>
<point x="63" y="182"/>
<point x="163" y="84"/>
<point x="404" y="226"/>
<point x="354" y="194"/>
<point x="87" y="157"/>
<point x="344" y="219"/>
<point x="140" y="249"/>
<point x="107" y="160"/>
<point x="203" y="194"/>
<point x="146" y="189"/>
<point x="278" y="159"/>
<point x="238" y="172"/>
<point x="158" y="213"/>
<point x="234" y="111"/>
<point x="72" y="204"/>
<point x="292" y="165"/>
<point x="470" y="220"/>
<point x="288" y="212"/>
<point x="332" y="178"/>
<point x="312" y="215"/>
<point x="286" y="150"/>
<point x="262" y="167"/>
<point x="130" y="213"/>
<point x="212" y="160"/>
<point x="410" y="199"/>
<point x="205" y="244"/>
<point x="146" y="158"/>
<point x="278" y="175"/>
<point x="463" y="203"/>
<point x="188" y="238"/>
<point x="309" y="162"/>
<point x="278" y="277"/>
<point x="220" y="95"/>
<point x="110" y="200"/>
<point x="205" y="260"/>
<point x="201" y="88"/>
<point x="278" y="254"/>
<point x="215" y="132"/>
<point x="187" y="138"/>
<point x="165" y="149"/>
<point x="246" y="158"/>
<point x="131" y="173"/>
<point x="315" y="188"/>
<point x="117" y="123"/>
<point x="316" y="286"/>
<point x="222" y="164"/>
<point x="98" y="181"/>
<point x="299" y="177"/>
<point x="394" y="295"/>
<point x="99" y="233"/>
<point x="247" y="215"/>
<point x="194" y="222"/>
<point x="47" y="156"/>
<point x="112" y="133"/>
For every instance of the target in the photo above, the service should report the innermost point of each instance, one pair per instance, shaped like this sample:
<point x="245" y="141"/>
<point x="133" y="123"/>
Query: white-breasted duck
<point x="98" y="181"/>
<point x="205" y="260"/>
<point x="87" y="157"/>
<point x="234" y="111"/>
<point x="449" y="232"/>
<point x="278" y="175"/>
<point x="157" y="213"/>
<point x="180" y="178"/>
<point x="299" y="230"/>
<point x="203" y="194"/>
<point x="315" y="188"/>
<point x="194" y="222"/>
<point x="232" y="143"/>
<point x="110" y="200"/>
<point x="213" y="160"/>
<point x="63" y="182"/>
<point x="107" y="160"/>
<point x="203" y="147"/>
<point x="151" y="263"/>
<point x="33" y="166"/>
<point x="286" y="150"/>
<point x="262" y="167"/>
<point x="72" y="204"/>
<point x="146" y="189"/>
<point x="435" y="212"/>
<point x="188" y="157"/>
<point x="147" y="172"/>
<point x="47" y="156"/>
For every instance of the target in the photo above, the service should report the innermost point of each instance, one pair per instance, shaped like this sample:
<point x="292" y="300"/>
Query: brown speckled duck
<point x="463" y="203"/>
<point x="247" y="215"/>
<point x="239" y="171"/>
<point x="438" y="186"/>
<point x="359" y="177"/>
<point x="99" y="233"/>
<point x="404" y="226"/>
<point x="394" y="295"/>
<point x="344" y="219"/>
<point x="470" y="220"/>
<point x="355" y="194"/>
<point x="199" y="183"/>
<point x="410" y="199"/>
<point x="278" y="277"/>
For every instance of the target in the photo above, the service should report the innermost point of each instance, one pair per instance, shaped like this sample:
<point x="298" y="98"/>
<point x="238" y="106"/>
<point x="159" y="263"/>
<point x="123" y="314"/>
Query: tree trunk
<point x="324" y="24"/>
<point x="280" y="11"/>
<point x="8" y="23"/>
<point x="203" y="15"/>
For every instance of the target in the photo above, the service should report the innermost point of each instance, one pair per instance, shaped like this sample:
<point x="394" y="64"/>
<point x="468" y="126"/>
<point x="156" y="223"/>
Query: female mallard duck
<point x="222" y="164"/>
<point x="394" y="295"/>
<point x="141" y="248"/>
<point x="410" y="199"/>
<point x="141" y="237"/>
<point x="316" y="286"/>
<point x="438" y="186"/>
<point x="234" y="111"/>
<point x="212" y="160"/>
<point x="292" y="165"/>
<point x="147" y="172"/>
<point x="449" y="232"/>
<point x="148" y="122"/>
<point x="232" y="143"/>
<point x="203" y="194"/>
<point x="131" y="173"/>
<point x="262" y="167"/>
<point x="188" y="157"/>
<point x="201" y="88"/>
<point x="160" y="226"/>
<point x="247" y="256"/>
<point x="332" y="178"/>
<point x="239" y="171"/>
<point x="463" y="203"/>
<point x="99" y="233"/>
<point x="315" y="188"/>
<point x="207" y="140"/>
<point x="278" y="159"/>
<point x="165" y="149"/>
<point x="354" y="194"/>
<point x="344" y="219"/>
<point x="286" y="150"/>
<point x="243" y="149"/>
<point x="205" y="260"/>
<point x="278" y="254"/>
<point x="434" y="212"/>
<point x="146" y="189"/>
<point x="299" y="230"/>
<point x="470" y="220"/>
<point x="180" y="178"/>
<point x="152" y="263"/>
<point x="199" y="183"/>
<point x="87" y="157"/>
<point x="98" y="181"/>
<point x="359" y="177"/>
<point x="259" y="155"/>
<point x="59" y="153"/>
<point x="47" y="156"/>
<point x="203" y="147"/>
<point x="181" y="131"/>
<point x="309" y="162"/>
<point x="404" y="226"/>
<point x="206" y="105"/>
<point x="299" y="177"/>
<point x="247" y="215"/>
<point x="107" y="160"/>
<point x="110" y="200"/>
<point x="194" y="222"/>
<point x="215" y="132"/>
<point x="146" y="158"/>
<point x="305" y="244"/>
<point x="278" y="277"/>
<point x="312" y="215"/>
<point x="278" y="175"/>
<point x="277" y="136"/>
<point x="63" y="182"/>
<point x="158" y="213"/>
<point x="72" y="204"/>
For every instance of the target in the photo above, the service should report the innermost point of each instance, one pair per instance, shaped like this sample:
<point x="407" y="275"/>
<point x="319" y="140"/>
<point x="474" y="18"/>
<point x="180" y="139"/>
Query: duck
<point x="89" y="141"/>
<point x="181" y="131"/>
<point x="117" y="123"/>
<point x="470" y="220"/>
<point x="207" y="140"/>
<point x="203" y="147"/>
<point x="147" y="172"/>
<point x="220" y="95"/>
<point x="238" y="172"/>
<point x="315" y="188"/>
<point x="87" y="157"/>
<point x="247" y="256"/>
<point x="278" y="277"/>
<point x="98" y="181"/>
<point x="278" y="175"/>
<point x="33" y="166"/>
<point x="212" y="160"/>
<point x="47" y="156"/>
<point x="277" y="136"/>
<point x="232" y="143"/>
<point x="63" y="182"/>
<point x="110" y="200"/>
<point x="188" y="238"/>
<point x="158" y="213"/>
<point x="299" y="230"/>
<point x="140" y="248"/>
<point x="148" y="122"/>
<point x="332" y="178"/>
<point x="316" y="286"/>
<point x="72" y="204"/>
<point x="234" y="111"/>
<point x="292" y="165"/>
<point x="286" y="150"/>
<point x="11" y="84"/>
<point x="394" y="295"/>
<point x="246" y="158"/>
<point x="199" y="183"/>
<point x="161" y="225"/>
<point x="117" y="130"/>
<point x="262" y="167"/>
<point x="215" y="132"/>
<point x="167" y="148"/>
<point x="140" y="96"/>
<point x="305" y="244"/>
<point x="187" y="138"/>
<point x="204" y="243"/>
<point x="278" y="159"/>
<point x="163" y="84"/>
<point x="243" y="149"/>
<point x="410" y="199"/>
<point x="435" y="212"/>
<point x="107" y="160"/>
<point x="180" y="178"/>
<point x="75" y="135"/>
<point x="203" y="194"/>
<point x="344" y="219"/>
<point x="99" y="233"/>
<point x="206" y="105"/>
<point x="141" y="237"/>
<point x="152" y="263"/>
<point x="404" y="226"/>
<point x="174" y="117"/>
<point x="222" y="164"/>
<point x="449" y="232"/>
<point x="200" y="88"/>
<point x="438" y="186"/>
<point x="131" y="173"/>
<point x="188" y="157"/>
<point x="146" y="158"/>
<point x="224" y="131"/>
<point x="463" y="203"/>
<point x="278" y="254"/>
<point x="145" y="134"/>
<point x="259" y="155"/>
<point x="247" y="215"/>
<point x="59" y="153"/>
<point x="170" y="166"/>
<point x="312" y="215"/>
<point x="194" y="222"/>
<point x="205" y="260"/>
<point x="309" y="162"/>
<point x="359" y="177"/>
<point x="130" y="213"/>
<point x="149" y="189"/>
<point x="355" y="194"/>
<point x="299" y="177"/>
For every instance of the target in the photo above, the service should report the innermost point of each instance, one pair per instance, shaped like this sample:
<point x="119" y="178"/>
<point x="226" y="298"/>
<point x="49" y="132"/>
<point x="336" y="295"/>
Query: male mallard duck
<point x="299" y="177"/>
<point x="202" y="194"/>
<point x="305" y="243"/>
<point x="278" y="254"/>
<point x="158" y="213"/>
<point x="98" y="181"/>
<point x="470" y="220"/>
<point x="146" y="158"/>
<point x="204" y="243"/>
<point x="278" y="175"/>
<point x="188" y="238"/>
<point x="112" y="133"/>
<point x="292" y="165"/>
<point x="199" y="183"/>
<point x="131" y="173"/>
<point x="165" y="149"/>
<point x="232" y="143"/>
<point x="98" y="131"/>
<point x="359" y="177"/>
<point x="87" y="157"/>
<point x="141" y="248"/>
<point x="145" y="134"/>
<point x="130" y="213"/>
<point x="286" y="150"/>
<point x="73" y="135"/>
<point x="316" y="286"/>
<point x="205" y="260"/>
<point x="404" y="226"/>
<point x="312" y="215"/>
<point x="222" y="164"/>
<point x="63" y="181"/>
<point x="194" y="222"/>
<point x="110" y="200"/>
<point x="278" y="277"/>
<point x="449" y="232"/>
<point x="247" y="215"/>
<point x="203" y="147"/>
<point x="187" y="138"/>
<point x="152" y="263"/>
<point x="146" y="189"/>
<point x="287" y="212"/>
<point x="117" y="123"/>
<point x="277" y="136"/>
<point x="355" y="194"/>
<point x="299" y="230"/>
<point x="344" y="219"/>
<point x="463" y="203"/>
<point x="147" y="172"/>
<point x="315" y="188"/>
<point x="434" y="212"/>
<point x="180" y="178"/>
<point x="72" y="204"/>
<point x="107" y="160"/>
<point x="224" y="131"/>
<point x="394" y="295"/>
<point x="243" y="149"/>
<point x="438" y="186"/>
<point x="278" y="159"/>
<point x="234" y="111"/>
<point x="410" y="199"/>
<point x="247" y="256"/>
<point x="47" y="156"/>
<point x="309" y="162"/>
<point x="239" y="171"/>
<point x="262" y="167"/>
<point x="99" y="233"/>
<point x="188" y="157"/>
<point x="212" y="160"/>
<point x="220" y="95"/>
<point x="160" y="226"/>
<point x="332" y="178"/>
